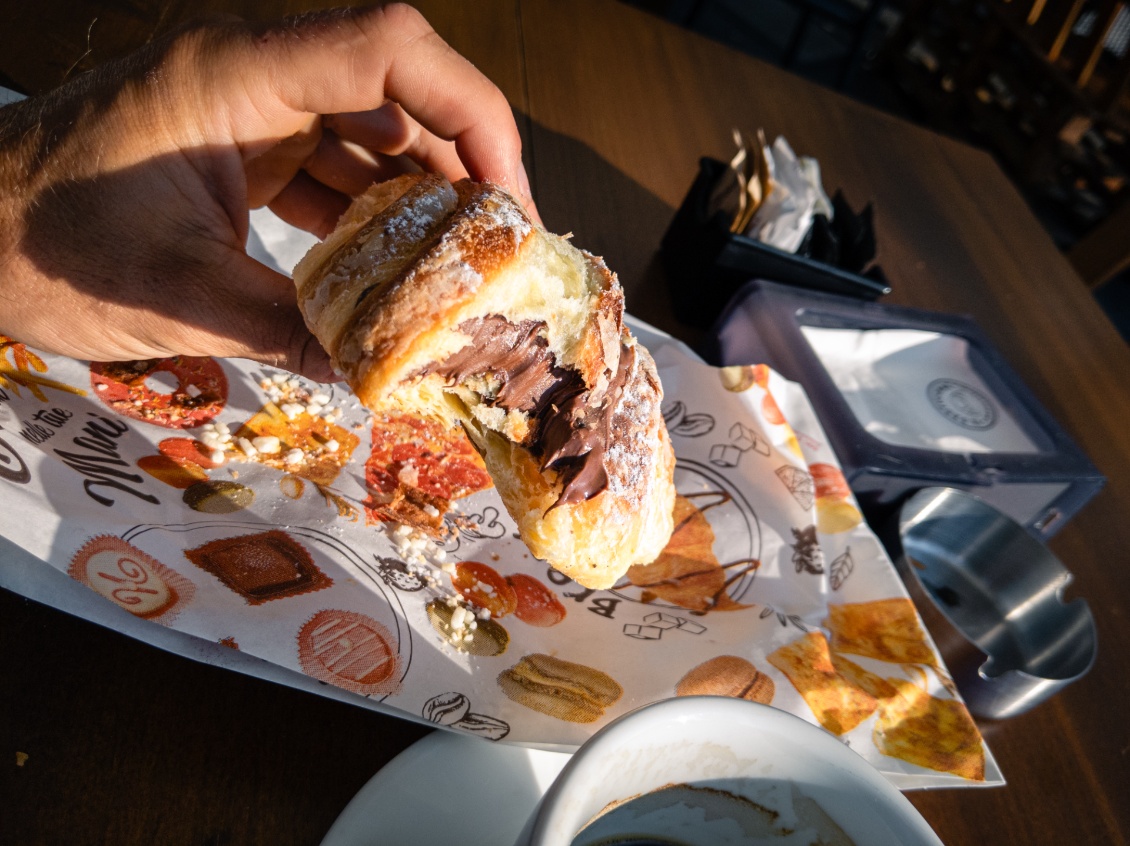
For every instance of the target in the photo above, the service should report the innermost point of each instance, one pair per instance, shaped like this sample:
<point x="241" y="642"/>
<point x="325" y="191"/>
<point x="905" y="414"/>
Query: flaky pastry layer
<point x="448" y="301"/>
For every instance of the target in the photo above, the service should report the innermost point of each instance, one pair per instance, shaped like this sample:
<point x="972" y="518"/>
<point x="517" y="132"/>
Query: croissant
<point x="448" y="301"/>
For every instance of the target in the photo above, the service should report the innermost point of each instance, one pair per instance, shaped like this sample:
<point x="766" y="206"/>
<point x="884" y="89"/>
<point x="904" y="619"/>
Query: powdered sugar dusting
<point x="380" y="247"/>
<point x="505" y="214"/>
<point x="631" y="457"/>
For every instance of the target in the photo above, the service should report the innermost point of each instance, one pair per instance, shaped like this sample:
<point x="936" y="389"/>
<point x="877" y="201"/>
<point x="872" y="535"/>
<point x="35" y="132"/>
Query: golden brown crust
<point x="378" y="240"/>
<point x="480" y="258"/>
<point x="390" y="327"/>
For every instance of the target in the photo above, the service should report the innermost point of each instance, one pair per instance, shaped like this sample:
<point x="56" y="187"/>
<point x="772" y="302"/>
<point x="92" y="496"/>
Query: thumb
<point x="264" y="323"/>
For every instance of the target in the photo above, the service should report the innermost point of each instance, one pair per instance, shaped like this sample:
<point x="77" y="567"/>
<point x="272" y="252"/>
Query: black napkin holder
<point x="706" y="264"/>
<point x="1041" y="490"/>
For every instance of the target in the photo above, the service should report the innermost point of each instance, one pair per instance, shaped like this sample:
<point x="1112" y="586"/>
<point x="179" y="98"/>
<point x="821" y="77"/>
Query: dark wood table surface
<point x="126" y="744"/>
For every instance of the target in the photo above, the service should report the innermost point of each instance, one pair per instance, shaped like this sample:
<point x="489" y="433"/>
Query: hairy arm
<point x="124" y="195"/>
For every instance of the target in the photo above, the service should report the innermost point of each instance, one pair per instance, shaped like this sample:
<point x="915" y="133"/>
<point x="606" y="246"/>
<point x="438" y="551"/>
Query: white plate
<point x="448" y="790"/>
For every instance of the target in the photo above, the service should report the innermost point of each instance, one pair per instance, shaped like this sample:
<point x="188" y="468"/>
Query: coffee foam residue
<point x="735" y="811"/>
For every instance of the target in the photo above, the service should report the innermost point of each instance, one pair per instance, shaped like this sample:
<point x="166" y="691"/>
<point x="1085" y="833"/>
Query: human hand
<point x="124" y="195"/>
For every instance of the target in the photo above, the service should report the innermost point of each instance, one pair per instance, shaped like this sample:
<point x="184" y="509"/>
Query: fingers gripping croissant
<point x="448" y="301"/>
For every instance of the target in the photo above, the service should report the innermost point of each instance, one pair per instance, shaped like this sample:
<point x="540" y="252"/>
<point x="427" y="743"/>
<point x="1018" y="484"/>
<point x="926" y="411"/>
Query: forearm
<point x="124" y="195"/>
<point x="17" y="139"/>
<point x="91" y="228"/>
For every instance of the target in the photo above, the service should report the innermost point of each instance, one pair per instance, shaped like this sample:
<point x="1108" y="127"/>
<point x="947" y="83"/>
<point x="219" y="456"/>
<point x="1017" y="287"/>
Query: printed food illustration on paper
<point x="370" y="552"/>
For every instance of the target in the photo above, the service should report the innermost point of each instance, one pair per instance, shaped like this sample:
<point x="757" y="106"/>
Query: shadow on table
<point x="610" y="215"/>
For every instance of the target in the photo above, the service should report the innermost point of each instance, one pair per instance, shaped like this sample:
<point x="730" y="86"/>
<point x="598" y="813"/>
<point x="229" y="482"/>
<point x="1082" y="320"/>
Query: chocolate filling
<point x="570" y="432"/>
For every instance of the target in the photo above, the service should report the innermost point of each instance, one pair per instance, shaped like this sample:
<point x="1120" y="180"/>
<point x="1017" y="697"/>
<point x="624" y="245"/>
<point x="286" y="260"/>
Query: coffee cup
<point x="701" y="770"/>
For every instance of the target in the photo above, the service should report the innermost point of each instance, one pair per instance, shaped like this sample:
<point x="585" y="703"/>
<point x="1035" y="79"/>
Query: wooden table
<point x="127" y="744"/>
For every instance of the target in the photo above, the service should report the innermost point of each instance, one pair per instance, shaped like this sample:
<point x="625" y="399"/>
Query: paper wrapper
<point x="795" y="196"/>
<point x="772" y="587"/>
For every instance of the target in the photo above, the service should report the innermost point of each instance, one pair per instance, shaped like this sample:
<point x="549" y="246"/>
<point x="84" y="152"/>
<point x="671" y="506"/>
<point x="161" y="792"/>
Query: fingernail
<point x="524" y="182"/>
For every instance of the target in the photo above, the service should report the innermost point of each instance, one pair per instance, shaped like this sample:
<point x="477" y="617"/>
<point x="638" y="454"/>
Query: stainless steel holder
<point x="992" y="597"/>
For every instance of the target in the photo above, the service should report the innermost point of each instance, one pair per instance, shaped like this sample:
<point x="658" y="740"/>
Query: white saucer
<point x="448" y="790"/>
